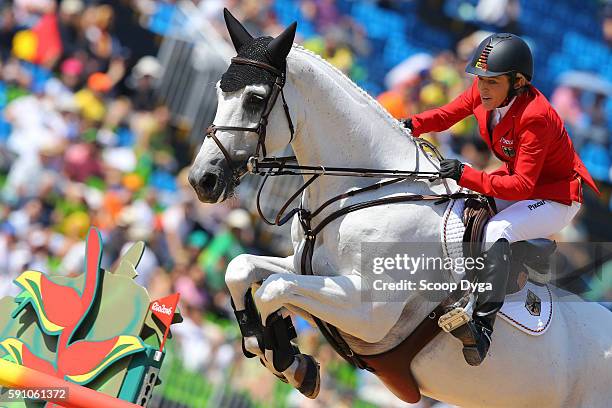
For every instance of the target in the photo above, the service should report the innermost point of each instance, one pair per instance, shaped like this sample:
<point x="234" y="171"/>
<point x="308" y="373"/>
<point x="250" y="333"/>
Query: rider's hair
<point x="514" y="77"/>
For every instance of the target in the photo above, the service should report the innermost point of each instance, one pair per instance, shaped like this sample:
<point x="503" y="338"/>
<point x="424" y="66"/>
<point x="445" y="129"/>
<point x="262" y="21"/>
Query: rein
<point x="278" y="166"/>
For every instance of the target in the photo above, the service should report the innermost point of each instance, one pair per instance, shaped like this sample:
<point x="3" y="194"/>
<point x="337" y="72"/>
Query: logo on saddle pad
<point x="533" y="304"/>
<point x="536" y="205"/>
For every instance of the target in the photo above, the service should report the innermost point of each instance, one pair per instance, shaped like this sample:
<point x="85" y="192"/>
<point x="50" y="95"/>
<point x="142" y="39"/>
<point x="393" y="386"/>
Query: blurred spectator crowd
<point x="85" y="140"/>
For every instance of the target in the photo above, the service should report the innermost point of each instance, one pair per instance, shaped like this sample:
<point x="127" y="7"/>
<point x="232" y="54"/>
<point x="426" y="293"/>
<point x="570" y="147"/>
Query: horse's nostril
<point x="193" y="180"/>
<point x="208" y="182"/>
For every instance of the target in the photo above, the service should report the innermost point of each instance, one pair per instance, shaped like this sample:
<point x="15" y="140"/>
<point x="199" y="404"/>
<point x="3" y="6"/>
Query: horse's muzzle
<point x="207" y="185"/>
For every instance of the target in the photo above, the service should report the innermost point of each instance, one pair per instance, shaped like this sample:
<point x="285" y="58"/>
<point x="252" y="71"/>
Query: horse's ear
<point x="237" y="32"/>
<point x="279" y="48"/>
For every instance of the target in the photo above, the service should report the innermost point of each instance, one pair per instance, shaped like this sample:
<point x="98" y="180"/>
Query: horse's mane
<point x="382" y="112"/>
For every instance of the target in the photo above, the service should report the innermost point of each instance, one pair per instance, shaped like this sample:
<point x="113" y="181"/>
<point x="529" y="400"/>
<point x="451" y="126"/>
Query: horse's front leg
<point x="242" y="272"/>
<point x="245" y="269"/>
<point x="338" y="300"/>
<point x="272" y="341"/>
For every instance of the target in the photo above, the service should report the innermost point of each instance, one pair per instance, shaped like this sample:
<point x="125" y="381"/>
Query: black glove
<point x="407" y="123"/>
<point x="451" y="168"/>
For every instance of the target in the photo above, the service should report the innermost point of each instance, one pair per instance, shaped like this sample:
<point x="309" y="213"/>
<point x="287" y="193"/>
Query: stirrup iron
<point x="453" y="319"/>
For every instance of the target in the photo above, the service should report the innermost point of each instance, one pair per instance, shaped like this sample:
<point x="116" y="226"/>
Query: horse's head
<point x="250" y="118"/>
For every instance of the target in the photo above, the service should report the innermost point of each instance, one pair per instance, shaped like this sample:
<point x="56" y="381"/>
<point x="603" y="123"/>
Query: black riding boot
<point x="476" y="334"/>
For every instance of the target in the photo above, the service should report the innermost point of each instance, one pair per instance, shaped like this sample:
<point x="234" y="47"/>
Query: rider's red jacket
<point x="539" y="158"/>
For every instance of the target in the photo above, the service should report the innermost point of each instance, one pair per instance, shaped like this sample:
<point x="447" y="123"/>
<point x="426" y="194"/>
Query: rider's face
<point x="493" y="90"/>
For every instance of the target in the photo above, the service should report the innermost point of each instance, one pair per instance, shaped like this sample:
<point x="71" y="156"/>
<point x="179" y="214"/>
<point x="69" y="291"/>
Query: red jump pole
<point x="18" y="377"/>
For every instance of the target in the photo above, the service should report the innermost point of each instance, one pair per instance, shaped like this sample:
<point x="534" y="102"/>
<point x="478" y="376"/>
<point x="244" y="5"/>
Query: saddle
<point x="393" y="366"/>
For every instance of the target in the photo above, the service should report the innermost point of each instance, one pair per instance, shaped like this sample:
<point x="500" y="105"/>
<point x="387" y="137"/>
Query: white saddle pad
<point x="530" y="310"/>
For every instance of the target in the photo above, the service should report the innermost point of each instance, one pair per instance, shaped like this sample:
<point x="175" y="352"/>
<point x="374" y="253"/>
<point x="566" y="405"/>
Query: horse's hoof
<point x="281" y="377"/>
<point x="308" y="376"/>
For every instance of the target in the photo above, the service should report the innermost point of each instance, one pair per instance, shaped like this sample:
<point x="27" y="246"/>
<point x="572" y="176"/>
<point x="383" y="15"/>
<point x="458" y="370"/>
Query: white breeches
<point x="528" y="219"/>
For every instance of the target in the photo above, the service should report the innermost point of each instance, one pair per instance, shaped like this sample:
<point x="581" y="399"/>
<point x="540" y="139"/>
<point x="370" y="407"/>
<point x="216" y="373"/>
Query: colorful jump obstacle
<point x="97" y="335"/>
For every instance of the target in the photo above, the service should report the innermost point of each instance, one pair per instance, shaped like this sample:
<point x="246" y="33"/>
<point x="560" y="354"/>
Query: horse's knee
<point x="238" y="271"/>
<point x="272" y="288"/>
<point x="238" y="277"/>
<point x="271" y="295"/>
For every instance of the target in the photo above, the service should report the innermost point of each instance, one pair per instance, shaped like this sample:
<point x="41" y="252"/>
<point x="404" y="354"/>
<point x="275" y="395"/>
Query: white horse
<point x="339" y="124"/>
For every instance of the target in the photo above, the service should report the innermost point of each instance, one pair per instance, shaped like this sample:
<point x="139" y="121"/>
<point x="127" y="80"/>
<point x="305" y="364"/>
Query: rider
<point x="538" y="188"/>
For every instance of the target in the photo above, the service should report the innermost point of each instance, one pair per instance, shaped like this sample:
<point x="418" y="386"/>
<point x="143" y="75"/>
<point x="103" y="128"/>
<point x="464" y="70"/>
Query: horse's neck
<point x="343" y="127"/>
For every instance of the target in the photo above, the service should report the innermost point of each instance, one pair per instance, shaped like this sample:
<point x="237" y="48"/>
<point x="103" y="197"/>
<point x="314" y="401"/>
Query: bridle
<point x="260" y="129"/>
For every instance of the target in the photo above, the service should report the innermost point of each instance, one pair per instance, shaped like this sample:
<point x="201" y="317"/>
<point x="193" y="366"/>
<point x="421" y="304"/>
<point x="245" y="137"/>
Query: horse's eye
<point x="254" y="100"/>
